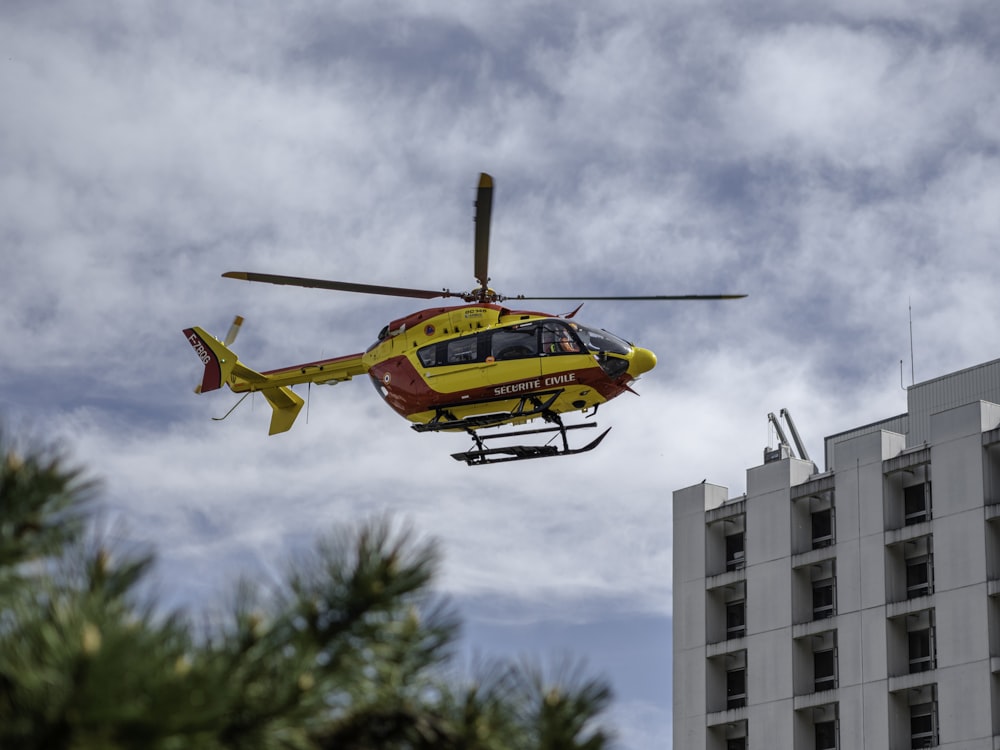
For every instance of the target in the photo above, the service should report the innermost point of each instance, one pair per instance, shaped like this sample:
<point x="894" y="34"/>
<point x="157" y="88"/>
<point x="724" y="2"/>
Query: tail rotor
<point x="234" y="331"/>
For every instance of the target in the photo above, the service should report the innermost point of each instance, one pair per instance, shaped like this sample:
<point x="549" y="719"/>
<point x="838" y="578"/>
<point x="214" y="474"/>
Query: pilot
<point x="559" y="341"/>
<point x="567" y="343"/>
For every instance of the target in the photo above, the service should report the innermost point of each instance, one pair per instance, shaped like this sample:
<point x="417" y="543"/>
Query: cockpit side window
<point x="558" y="338"/>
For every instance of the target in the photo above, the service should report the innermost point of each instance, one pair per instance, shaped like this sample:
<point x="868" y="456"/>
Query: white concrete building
<point x="856" y="608"/>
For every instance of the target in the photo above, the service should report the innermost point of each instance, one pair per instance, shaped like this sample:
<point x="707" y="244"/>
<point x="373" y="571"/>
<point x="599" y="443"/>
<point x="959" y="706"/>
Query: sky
<point x="837" y="162"/>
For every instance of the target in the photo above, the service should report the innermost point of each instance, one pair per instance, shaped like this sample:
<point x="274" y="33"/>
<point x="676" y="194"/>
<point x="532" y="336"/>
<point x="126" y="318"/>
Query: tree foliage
<point x="351" y="651"/>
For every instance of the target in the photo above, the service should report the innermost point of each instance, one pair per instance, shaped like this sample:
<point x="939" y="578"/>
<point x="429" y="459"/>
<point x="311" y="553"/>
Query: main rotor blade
<point x="339" y="286"/>
<point x="640" y="297"/>
<point x="484" y="210"/>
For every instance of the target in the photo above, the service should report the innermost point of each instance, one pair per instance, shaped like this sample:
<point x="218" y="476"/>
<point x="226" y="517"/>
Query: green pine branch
<point x="351" y="651"/>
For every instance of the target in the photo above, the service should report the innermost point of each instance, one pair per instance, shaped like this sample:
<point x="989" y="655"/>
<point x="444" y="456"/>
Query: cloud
<point x="837" y="163"/>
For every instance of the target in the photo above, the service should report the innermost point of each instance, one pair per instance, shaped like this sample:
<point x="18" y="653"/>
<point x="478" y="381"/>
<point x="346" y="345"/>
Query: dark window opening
<point x="825" y="670"/>
<point x="918" y="576"/>
<point x="921" y="645"/>
<point x="826" y="735"/>
<point x="734" y="551"/>
<point x="736" y="688"/>
<point x="823" y="596"/>
<point x="736" y="616"/>
<point x="916" y="503"/>
<point x="922" y="725"/>
<point x="736" y="743"/>
<point x="822" y="528"/>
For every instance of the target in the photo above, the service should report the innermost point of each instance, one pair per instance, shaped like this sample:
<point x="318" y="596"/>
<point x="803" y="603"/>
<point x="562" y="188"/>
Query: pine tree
<point x="352" y="651"/>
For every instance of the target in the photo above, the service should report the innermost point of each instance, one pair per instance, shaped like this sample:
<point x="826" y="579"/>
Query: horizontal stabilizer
<point x="285" y="405"/>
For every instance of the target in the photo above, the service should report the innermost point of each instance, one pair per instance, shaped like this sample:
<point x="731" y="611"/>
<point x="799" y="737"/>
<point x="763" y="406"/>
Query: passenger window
<point x="462" y="350"/>
<point x="428" y="355"/>
<point x="515" y="343"/>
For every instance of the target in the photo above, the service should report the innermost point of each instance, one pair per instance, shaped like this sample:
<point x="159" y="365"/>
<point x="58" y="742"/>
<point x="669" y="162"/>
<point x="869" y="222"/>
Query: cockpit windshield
<point x="601" y="341"/>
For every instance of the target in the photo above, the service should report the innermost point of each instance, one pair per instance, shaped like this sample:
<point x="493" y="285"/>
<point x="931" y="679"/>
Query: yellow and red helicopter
<point x="469" y="367"/>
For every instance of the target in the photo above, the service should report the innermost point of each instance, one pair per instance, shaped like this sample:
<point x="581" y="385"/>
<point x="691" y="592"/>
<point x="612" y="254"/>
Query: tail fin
<point x="218" y="360"/>
<point x="222" y="367"/>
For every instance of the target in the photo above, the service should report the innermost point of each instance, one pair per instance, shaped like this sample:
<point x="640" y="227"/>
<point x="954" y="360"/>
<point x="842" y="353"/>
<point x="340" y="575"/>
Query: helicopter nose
<point x="642" y="361"/>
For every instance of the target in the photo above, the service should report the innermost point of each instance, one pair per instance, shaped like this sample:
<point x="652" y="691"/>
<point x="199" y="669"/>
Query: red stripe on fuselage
<point x="408" y="393"/>
<point x="317" y="363"/>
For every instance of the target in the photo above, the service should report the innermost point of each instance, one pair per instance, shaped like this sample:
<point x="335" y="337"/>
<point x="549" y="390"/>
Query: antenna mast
<point x="910" y="306"/>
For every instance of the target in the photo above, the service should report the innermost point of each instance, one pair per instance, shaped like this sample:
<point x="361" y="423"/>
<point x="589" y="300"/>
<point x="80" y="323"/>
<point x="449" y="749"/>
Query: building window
<point x="909" y="568"/>
<point x="910" y="644"/>
<point x="727" y="685"/>
<point x="916" y="503"/>
<point x="725" y="612"/>
<point x="823" y="599"/>
<point x="732" y="736"/>
<point x="920" y="641"/>
<point x="822" y="528"/>
<point x="822" y="722"/>
<point x="814" y="666"/>
<point x="923" y="725"/>
<point x="736" y="619"/>
<point x="918" y="576"/>
<point x="814" y="590"/>
<point x="734" y="551"/>
<point x="724" y="540"/>
<point x="826" y="735"/>
<point x="736" y="687"/>
<point x="813" y="516"/>
<point x="917" y="708"/>
<point x="825" y="669"/>
<point x="921" y="649"/>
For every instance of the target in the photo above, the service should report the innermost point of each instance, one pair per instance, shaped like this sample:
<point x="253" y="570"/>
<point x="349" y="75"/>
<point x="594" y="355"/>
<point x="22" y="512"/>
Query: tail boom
<point x="222" y="367"/>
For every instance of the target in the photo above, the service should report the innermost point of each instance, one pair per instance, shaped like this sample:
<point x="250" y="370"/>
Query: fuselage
<point x="453" y="363"/>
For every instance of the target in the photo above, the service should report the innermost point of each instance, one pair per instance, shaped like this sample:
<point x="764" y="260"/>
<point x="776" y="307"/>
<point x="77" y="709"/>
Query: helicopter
<point x="459" y="368"/>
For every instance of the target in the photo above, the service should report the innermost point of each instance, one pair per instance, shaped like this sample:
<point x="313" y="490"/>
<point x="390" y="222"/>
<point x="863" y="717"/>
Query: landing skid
<point x="482" y="455"/>
<point x="530" y="406"/>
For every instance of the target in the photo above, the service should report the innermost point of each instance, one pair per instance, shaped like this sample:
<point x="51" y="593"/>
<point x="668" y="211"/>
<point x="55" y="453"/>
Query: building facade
<point x="858" y="607"/>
